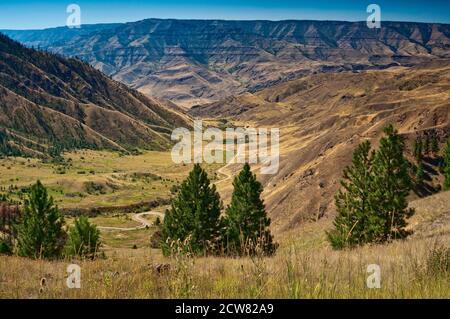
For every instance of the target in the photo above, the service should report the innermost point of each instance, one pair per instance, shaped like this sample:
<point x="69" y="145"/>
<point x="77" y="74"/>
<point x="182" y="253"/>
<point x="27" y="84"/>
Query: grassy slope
<point x="323" y="117"/>
<point x="48" y="99"/>
<point x="304" y="267"/>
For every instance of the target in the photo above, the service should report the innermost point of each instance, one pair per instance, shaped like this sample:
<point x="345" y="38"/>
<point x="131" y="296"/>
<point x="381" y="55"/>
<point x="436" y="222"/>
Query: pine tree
<point x="194" y="215"/>
<point x="418" y="149"/>
<point x="84" y="239"/>
<point x="446" y="157"/>
<point x="354" y="223"/>
<point x="420" y="174"/>
<point x="392" y="185"/>
<point x="246" y="222"/>
<point x="40" y="231"/>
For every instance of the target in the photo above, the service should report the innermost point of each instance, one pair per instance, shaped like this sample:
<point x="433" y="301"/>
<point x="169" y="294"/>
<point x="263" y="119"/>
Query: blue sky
<point x="34" y="14"/>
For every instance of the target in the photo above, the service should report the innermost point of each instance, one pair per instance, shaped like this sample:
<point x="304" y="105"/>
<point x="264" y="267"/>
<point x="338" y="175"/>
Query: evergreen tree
<point x="418" y="149"/>
<point x="355" y="222"/>
<point x="194" y="215"/>
<point x="246" y="222"/>
<point x="446" y="157"/>
<point x="392" y="184"/>
<point x="40" y="231"/>
<point x="84" y="239"/>
<point x="420" y="174"/>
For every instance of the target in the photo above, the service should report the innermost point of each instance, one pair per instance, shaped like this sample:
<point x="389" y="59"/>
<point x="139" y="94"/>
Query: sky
<point x="38" y="14"/>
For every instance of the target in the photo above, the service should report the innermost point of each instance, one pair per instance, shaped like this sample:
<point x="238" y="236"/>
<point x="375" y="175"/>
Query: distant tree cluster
<point x="6" y="149"/>
<point x="426" y="146"/>
<point x="195" y="224"/>
<point x="371" y="204"/>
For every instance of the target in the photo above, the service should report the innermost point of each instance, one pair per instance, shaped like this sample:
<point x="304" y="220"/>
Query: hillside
<point x="193" y="62"/>
<point x="322" y="119"/>
<point x="48" y="100"/>
<point x="304" y="267"/>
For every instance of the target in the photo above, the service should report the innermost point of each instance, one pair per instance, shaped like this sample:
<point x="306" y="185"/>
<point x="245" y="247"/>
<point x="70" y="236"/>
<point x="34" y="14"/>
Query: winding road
<point x="227" y="175"/>
<point x="145" y="223"/>
<point x="138" y="218"/>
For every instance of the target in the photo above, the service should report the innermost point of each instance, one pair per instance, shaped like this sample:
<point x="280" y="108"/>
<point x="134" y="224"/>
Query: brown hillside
<point x="322" y="119"/>
<point x="49" y="99"/>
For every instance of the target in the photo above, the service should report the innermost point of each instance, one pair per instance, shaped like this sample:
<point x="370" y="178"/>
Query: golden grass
<point x="304" y="267"/>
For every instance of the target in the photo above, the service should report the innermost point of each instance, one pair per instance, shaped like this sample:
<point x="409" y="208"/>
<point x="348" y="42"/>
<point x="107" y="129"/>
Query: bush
<point x="156" y="239"/>
<point x="84" y="239"/>
<point x="5" y="248"/>
<point x="93" y="188"/>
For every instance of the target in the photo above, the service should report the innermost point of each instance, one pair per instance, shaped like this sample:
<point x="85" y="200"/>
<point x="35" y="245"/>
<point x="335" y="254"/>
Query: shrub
<point x="93" y="188"/>
<point x="5" y="248"/>
<point x="84" y="239"/>
<point x="156" y="239"/>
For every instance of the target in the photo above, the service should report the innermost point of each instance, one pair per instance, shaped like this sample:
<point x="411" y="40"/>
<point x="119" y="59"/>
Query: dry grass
<point x="304" y="267"/>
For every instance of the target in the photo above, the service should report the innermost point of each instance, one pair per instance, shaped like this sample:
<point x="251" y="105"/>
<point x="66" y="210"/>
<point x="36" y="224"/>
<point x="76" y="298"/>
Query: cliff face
<point x="199" y="61"/>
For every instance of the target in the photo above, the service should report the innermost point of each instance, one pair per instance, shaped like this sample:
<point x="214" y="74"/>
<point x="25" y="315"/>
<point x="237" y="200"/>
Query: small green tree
<point x="418" y="149"/>
<point x="446" y="159"/>
<point x="194" y="215"/>
<point x="246" y="222"/>
<point x="354" y="223"/>
<point x="84" y="239"/>
<point x="371" y="205"/>
<point x="40" y="231"/>
<point x="392" y="184"/>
